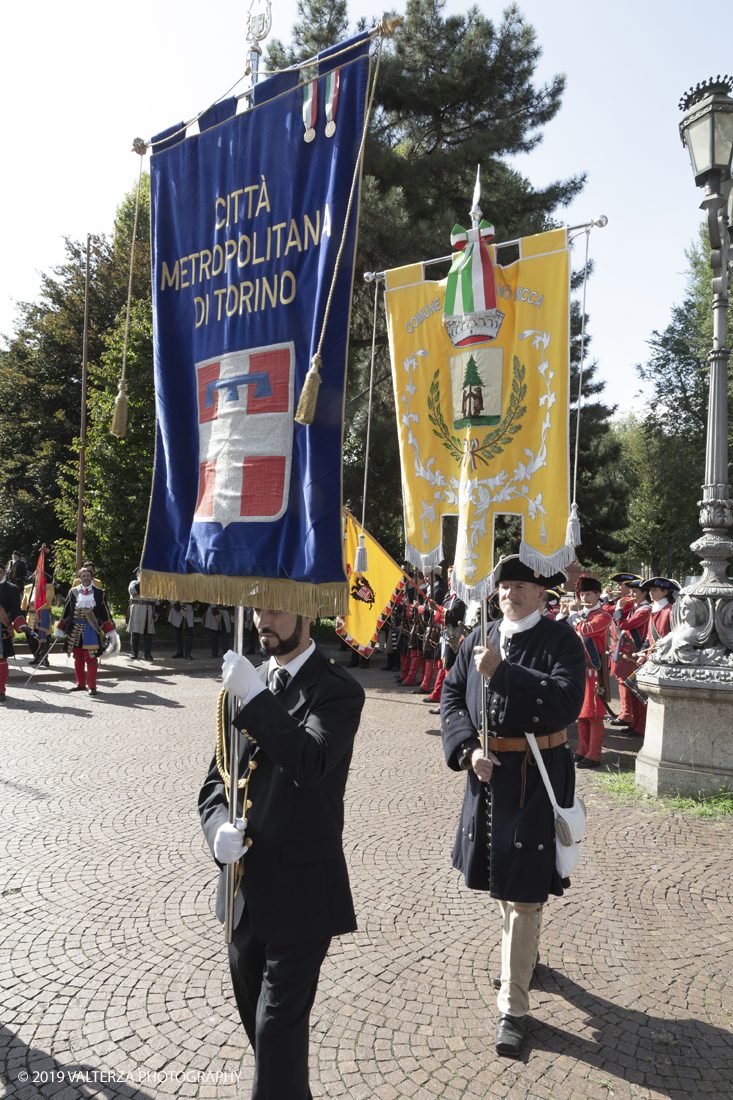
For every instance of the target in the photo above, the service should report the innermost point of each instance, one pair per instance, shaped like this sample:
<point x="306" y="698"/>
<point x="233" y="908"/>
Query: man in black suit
<point x="294" y="894"/>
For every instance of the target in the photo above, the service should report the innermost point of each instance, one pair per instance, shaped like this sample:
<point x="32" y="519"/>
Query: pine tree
<point x="472" y="376"/>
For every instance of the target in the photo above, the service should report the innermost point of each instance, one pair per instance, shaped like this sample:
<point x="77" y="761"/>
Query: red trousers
<point x="638" y="721"/>
<point x="3" y="674"/>
<point x="82" y="658"/>
<point x="626" y="714"/>
<point x="590" y="738"/>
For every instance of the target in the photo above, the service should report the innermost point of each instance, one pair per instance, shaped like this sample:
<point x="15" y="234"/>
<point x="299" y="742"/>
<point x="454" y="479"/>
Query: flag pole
<point x="83" y="429"/>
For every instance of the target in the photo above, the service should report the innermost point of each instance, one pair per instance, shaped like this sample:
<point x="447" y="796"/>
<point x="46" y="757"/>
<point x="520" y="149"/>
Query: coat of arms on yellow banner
<point x="483" y="429"/>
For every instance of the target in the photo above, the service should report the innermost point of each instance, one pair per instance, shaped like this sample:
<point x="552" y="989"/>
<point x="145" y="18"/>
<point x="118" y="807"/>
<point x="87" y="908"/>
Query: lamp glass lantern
<point x="707" y="129"/>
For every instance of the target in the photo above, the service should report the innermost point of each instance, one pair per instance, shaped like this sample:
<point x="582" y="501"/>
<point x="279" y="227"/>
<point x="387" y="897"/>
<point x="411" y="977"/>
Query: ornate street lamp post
<point x="689" y="675"/>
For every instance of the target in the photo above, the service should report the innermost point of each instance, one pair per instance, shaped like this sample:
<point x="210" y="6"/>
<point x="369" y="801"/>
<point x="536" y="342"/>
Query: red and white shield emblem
<point x="245" y="404"/>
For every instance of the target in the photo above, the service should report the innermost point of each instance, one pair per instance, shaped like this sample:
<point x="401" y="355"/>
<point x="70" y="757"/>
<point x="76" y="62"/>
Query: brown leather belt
<point x="520" y="744"/>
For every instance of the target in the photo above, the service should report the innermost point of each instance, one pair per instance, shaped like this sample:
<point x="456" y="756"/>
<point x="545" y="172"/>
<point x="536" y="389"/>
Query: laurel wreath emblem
<point x="494" y="441"/>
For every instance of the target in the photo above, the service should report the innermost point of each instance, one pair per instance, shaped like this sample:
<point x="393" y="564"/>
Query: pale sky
<point x="82" y="80"/>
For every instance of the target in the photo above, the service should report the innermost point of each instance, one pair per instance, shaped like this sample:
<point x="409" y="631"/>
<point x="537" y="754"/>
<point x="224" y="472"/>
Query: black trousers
<point x="178" y="632"/>
<point x="275" y="986"/>
<point x="147" y="638"/>
<point x="214" y="636"/>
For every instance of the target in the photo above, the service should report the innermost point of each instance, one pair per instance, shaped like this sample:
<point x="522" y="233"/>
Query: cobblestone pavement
<point x="112" y="966"/>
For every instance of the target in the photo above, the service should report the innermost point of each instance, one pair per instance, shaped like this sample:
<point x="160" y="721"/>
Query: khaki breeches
<point x="520" y="941"/>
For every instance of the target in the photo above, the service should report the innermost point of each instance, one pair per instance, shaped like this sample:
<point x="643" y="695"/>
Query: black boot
<point x="354" y="659"/>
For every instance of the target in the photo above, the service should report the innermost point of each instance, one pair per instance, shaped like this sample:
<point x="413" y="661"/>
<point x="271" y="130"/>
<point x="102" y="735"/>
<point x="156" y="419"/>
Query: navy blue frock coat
<point x="505" y="843"/>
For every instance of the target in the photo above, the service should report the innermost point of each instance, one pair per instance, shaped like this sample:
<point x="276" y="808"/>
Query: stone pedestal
<point x="689" y="734"/>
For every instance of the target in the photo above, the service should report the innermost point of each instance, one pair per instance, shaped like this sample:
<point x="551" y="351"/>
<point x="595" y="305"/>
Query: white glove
<point x="229" y="844"/>
<point x="59" y="633"/>
<point x="239" y="677"/>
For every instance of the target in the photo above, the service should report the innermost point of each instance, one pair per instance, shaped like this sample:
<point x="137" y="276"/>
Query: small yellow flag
<point x="372" y="594"/>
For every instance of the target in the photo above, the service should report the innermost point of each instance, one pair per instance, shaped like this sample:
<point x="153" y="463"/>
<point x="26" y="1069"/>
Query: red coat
<point x="593" y="633"/>
<point x="632" y="629"/>
<point x="660" y="623"/>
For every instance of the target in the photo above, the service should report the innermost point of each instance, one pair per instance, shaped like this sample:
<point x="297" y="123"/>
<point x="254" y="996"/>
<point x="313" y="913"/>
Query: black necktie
<point x="279" y="681"/>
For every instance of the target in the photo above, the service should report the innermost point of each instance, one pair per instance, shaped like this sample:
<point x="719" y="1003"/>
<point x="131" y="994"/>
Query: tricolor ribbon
<point x="469" y="446"/>
<point x="310" y="104"/>
<point x="333" y="79"/>
<point x="470" y="284"/>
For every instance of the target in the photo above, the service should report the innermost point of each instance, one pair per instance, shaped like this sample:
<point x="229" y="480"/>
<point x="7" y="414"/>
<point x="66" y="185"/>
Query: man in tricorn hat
<point x="591" y="623"/>
<point x="623" y="602"/>
<point x="533" y="669"/>
<point x="661" y="591"/>
<point x="632" y="623"/>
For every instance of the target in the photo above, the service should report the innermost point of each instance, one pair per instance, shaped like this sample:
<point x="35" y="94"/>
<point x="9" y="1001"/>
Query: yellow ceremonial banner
<point x="483" y="428"/>
<point x="371" y="594"/>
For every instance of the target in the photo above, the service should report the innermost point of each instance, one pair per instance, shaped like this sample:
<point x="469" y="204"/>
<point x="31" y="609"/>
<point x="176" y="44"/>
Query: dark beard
<point x="284" y="645"/>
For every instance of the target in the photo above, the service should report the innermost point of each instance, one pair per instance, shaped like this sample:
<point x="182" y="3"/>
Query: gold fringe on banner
<point x="274" y="593"/>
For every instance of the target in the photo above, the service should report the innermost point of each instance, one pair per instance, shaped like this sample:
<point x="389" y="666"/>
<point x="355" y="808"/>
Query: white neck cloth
<point x="507" y="627"/>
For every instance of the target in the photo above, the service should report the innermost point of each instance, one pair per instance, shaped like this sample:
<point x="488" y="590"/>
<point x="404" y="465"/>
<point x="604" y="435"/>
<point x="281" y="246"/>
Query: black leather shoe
<point x="3" y="698"/>
<point x="496" y="982"/>
<point x="617" y="722"/>
<point x="419" y="691"/>
<point x="577" y="757"/>
<point x="92" y="691"/>
<point x="78" y="687"/>
<point x="510" y="1035"/>
<point x="176" y="655"/>
<point x="586" y="763"/>
<point x="434" y="710"/>
<point x="189" y="657"/>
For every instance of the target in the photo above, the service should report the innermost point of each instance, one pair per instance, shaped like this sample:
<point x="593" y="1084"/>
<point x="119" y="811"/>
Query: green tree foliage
<point x="452" y="92"/>
<point x="663" y="451"/>
<point x="40" y="382"/>
<point x="117" y="471"/>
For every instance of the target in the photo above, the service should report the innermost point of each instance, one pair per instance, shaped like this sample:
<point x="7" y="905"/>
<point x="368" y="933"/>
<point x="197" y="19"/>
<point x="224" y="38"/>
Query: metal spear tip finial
<point x="476" y="211"/>
<point x="369" y="276"/>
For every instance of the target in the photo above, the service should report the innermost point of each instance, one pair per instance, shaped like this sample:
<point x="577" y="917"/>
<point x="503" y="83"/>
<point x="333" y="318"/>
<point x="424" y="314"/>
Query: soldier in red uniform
<point x="624" y="601"/>
<point x="632" y="623"/>
<point x="591" y="623"/>
<point x="660" y="591"/>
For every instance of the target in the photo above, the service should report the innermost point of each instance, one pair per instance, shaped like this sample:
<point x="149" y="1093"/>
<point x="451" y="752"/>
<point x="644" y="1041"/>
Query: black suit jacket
<point x="295" y="885"/>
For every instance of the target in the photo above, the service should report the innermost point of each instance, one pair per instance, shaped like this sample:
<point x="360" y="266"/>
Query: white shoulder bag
<point x="569" y="823"/>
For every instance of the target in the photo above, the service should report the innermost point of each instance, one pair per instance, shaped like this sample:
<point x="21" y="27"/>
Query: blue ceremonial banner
<point x="247" y="220"/>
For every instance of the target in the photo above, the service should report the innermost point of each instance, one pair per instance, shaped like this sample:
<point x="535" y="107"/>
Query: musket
<point x="48" y="654"/>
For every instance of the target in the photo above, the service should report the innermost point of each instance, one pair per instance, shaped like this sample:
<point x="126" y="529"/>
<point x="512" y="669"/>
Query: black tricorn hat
<point x="587" y="583"/>
<point x="511" y="568"/>
<point x="661" y="582"/>
<point x="624" y="578"/>
<point x="638" y="582"/>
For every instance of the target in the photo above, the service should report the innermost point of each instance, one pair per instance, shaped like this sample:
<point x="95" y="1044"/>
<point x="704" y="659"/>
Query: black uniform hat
<point x="587" y="583"/>
<point x="511" y="568"/>
<point x="624" y="578"/>
<point x="638" y="582"/>
<point x="660" y="582"/>
<point x="556" y="593"/>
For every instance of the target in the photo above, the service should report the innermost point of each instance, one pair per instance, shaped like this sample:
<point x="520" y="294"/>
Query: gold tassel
<point x="309" y="393"/>
<point x="119" y="417"/>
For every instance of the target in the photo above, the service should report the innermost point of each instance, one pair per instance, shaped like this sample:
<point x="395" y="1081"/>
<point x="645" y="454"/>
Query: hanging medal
<point x="310" y="109"/>
<point x="333" y="80"/>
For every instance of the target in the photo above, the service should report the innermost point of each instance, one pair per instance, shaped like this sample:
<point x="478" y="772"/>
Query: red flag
<point x="41" y="579"/>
